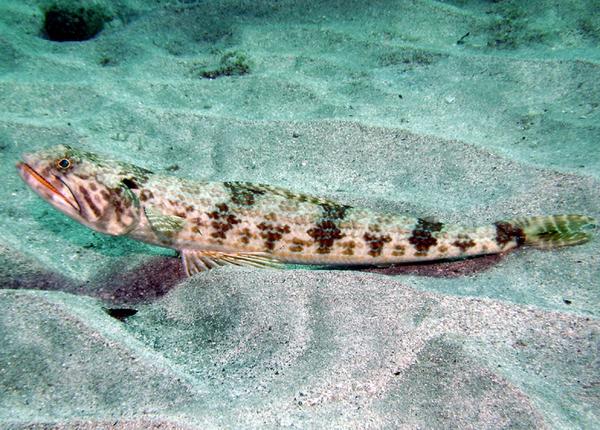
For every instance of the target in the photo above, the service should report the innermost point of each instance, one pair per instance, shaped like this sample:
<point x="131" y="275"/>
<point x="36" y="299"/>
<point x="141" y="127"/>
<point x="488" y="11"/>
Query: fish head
<point x="93" y="190"/>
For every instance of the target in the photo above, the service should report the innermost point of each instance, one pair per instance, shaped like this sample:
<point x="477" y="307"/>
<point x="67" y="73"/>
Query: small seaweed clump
<point x="231" y="64"/>
<point x="73" y="21"/>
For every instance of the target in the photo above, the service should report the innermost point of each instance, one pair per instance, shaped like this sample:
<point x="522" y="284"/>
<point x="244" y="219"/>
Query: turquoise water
<point x="469" y="111"/>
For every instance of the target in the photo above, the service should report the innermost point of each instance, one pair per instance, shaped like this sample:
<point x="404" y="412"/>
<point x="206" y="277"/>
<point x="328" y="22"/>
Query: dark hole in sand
<point x="120" y="313"/>
<point x="73" y="22"/>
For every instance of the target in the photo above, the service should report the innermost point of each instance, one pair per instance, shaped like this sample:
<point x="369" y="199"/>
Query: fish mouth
<point x="46" y="189"/>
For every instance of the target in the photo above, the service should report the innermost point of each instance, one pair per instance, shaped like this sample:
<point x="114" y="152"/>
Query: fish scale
<point x="242" y="223"/>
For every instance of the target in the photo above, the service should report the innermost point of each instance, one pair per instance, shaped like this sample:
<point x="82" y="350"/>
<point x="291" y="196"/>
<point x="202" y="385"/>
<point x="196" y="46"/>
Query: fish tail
<point x="554" y="231"/>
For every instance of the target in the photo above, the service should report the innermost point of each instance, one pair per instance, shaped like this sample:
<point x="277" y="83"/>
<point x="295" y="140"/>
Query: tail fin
<point x="555" y="230"/>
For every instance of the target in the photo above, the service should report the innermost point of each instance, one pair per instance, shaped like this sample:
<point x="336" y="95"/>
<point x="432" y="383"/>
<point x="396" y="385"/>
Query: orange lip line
<point x="45" y="183"/>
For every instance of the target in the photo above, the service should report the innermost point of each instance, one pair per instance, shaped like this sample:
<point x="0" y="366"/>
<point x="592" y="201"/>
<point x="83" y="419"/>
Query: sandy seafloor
<point x="371" y="103"/>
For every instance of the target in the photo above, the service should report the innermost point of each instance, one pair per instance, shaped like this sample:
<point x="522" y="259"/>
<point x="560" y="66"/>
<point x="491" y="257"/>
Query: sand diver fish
<point x="218" y="223"/>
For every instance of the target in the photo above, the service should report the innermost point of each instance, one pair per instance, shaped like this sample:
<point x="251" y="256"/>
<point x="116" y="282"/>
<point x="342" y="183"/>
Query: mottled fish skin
<point x="239" y="217"/>
<point x="296" y="228"/>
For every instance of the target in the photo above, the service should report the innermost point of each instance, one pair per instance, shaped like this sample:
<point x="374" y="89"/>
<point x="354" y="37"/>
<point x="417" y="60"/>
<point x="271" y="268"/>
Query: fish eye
<point x="63" y="163"/>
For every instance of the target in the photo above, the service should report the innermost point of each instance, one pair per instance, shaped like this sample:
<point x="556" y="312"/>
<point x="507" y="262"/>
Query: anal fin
<point x="195" y="261"/>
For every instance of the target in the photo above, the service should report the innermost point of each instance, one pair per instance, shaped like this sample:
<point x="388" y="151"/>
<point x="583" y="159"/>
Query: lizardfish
<point x="217" y="223"/>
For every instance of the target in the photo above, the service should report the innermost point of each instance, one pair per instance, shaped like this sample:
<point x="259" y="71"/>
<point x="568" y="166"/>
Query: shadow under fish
<point x="154" y="278"/>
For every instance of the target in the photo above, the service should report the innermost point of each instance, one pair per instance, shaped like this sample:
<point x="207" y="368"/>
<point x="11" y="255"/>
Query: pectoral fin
<point x="163" y="225"/>
<point x="195" y="261"/>
<point x="128" y="194"/>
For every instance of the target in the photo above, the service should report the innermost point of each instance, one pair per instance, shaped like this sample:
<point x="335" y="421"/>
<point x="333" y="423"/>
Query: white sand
<point x="504" y="124"/>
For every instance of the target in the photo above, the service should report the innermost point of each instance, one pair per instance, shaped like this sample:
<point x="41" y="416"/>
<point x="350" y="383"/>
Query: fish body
<point x="218" y="223"/>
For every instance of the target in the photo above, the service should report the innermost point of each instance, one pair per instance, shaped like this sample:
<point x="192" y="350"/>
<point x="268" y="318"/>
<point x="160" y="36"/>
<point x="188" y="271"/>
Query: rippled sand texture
<point x="370" y="103"/>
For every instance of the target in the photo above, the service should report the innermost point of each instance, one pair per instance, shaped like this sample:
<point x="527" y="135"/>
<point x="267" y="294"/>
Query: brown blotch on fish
<point x="243" y="193"/>
<point x="224" y="220"/>
<point x="116" y="201"/>
<point x="298" y="244"/>
<point x="422" y="238"/>
<point x="326" y="231"/>
<point x="146" y="195"/>
<point x="246" y="235"/>
<point x="464" y="242"/>
<point x="198" y="221"/>
<point x="271" y="233"/>
<point x="334" y="211"/>
<point x="506" y="232"/>
<point x="324" y="234"/>
<point x="90" y="202"/>
<point x="376" y="242"/>
<point x="399" y="250"/>
<point x="348" y="247"/>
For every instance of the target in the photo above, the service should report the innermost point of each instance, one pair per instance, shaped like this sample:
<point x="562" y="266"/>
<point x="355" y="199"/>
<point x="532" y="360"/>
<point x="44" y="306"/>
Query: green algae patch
<point x="231" y="64"/>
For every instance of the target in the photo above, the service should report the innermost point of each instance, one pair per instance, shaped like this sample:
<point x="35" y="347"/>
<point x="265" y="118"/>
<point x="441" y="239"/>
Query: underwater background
<point x="467" y="111"/>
